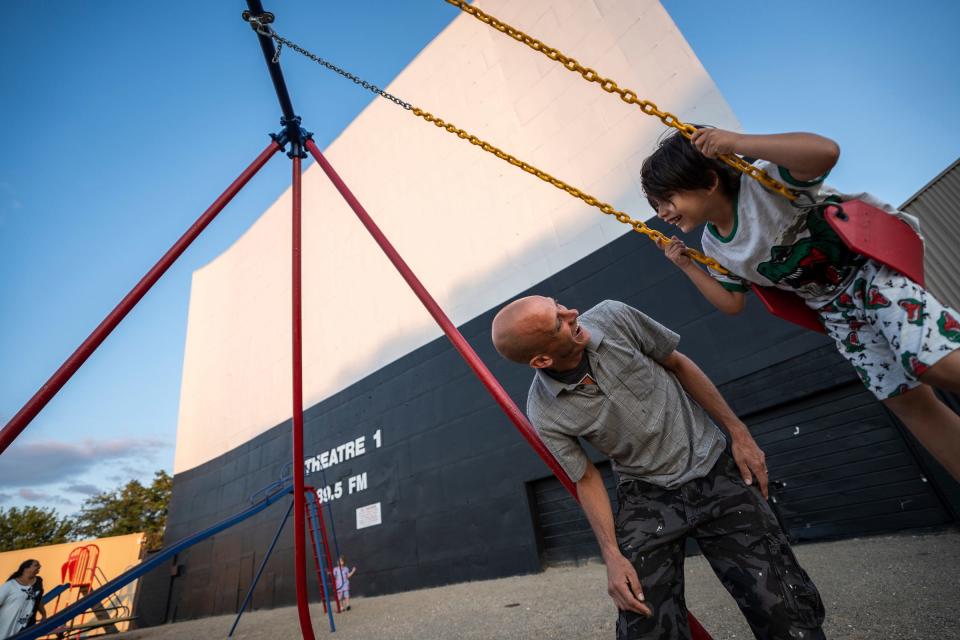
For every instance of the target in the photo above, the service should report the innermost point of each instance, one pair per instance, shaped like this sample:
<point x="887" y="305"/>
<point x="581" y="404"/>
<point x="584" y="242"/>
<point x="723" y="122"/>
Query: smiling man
<point x="613" y="377"/>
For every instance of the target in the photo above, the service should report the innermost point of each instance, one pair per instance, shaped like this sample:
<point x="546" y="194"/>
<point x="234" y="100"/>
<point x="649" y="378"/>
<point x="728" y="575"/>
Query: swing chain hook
<point x="260" y="23"/>
<point x="805" y="201"/>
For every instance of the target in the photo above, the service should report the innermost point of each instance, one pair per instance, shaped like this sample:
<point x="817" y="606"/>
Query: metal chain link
<point x="281" y="41"/>
<point x="628" y="96"/>
<point x="604" y="207"/>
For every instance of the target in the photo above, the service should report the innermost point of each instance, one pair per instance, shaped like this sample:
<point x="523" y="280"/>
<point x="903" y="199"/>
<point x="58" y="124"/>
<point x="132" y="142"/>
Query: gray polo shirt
<point x="637" y="414"/>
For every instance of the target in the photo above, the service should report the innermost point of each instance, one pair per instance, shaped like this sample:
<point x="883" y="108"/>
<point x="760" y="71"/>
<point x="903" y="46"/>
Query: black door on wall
<point x="847" y="469"/>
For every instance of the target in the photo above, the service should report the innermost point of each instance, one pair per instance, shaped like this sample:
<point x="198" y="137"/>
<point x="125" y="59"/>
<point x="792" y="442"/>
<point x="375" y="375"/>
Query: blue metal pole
<point x="263" y="565"/>
<point x="311" y="509"/>
<point x="52" y="622"/>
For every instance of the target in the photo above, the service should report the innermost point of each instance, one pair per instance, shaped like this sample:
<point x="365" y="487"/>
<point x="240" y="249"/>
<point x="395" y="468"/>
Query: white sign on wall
<point x="368" y="516"/>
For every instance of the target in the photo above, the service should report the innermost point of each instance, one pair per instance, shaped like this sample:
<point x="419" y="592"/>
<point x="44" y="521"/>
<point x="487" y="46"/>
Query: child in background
<point x="899" y="338"/>
<point x="342" y="577"/>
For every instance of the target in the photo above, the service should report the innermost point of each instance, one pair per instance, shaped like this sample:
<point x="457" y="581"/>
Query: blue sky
<point x="123" y="122"/>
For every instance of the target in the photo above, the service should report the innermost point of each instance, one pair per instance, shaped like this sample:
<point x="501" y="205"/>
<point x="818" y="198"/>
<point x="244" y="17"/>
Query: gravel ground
<point x="904" y="587"/>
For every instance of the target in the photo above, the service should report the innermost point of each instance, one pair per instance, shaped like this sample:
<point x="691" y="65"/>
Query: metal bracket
<point x="296" y="135"/>
<point x="259" y="23"/>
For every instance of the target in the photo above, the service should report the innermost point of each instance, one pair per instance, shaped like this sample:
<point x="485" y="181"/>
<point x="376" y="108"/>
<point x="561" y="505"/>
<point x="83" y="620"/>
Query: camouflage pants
<point x="738" y="534"/>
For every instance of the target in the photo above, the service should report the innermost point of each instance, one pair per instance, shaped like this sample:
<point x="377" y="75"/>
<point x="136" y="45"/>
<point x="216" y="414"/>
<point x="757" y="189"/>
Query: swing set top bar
<point x="258" y="18"/>
<point x="255" y="10"/>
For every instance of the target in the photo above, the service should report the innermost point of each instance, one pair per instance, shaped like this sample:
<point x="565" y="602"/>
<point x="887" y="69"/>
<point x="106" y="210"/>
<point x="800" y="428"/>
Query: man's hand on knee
<point x="623" y="585"/>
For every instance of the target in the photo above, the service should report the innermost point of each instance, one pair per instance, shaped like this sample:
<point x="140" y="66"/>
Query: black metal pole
<point x="276" y="74"/>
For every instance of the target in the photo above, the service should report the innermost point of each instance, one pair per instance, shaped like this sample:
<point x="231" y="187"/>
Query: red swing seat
<point x="869" y="231"/>
<point x="876" y="234"/>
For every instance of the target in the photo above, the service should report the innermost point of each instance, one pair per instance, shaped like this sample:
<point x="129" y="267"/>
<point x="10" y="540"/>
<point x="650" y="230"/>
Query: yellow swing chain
<point x="604" y="207"/>
<point x="628" y="96"/>
<point x="608" y="209"/>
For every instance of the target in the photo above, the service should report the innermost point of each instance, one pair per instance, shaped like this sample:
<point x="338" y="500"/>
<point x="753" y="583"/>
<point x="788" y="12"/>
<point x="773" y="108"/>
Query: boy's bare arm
<point x="729" y="302"/>
<point x="805" y="155"/>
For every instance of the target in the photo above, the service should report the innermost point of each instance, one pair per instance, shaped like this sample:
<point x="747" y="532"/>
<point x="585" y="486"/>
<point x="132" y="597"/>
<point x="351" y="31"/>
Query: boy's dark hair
<point x="677" y="165"/>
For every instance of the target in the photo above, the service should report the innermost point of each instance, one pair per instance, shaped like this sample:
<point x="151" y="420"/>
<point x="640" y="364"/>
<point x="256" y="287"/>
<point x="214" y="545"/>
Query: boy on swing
<point x="900" y="339"/>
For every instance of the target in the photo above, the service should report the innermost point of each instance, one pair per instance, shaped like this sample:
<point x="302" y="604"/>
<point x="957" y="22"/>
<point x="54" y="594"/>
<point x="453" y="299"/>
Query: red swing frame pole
<point x="459" y="342"/>
<point x="299" y="509"/>
<point x="295" y="135"/>
<point x="29" y="411"/>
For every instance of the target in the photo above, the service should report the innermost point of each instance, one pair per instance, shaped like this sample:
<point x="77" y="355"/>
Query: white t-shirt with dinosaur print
<point x="776" y="243"/>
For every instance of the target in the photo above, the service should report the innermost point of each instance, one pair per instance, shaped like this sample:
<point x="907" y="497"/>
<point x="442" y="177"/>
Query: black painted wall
<point x="453" y="474"/>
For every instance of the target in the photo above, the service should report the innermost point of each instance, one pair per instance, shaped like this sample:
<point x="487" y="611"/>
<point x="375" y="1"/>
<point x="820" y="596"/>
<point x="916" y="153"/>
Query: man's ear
<point x="541" y="361"/>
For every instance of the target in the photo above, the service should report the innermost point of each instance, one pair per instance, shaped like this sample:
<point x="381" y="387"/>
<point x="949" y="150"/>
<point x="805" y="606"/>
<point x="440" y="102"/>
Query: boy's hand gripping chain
<point x="628" y="96"/>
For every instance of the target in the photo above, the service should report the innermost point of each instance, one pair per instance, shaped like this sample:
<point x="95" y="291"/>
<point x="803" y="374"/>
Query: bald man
<point x="613" y="377"/>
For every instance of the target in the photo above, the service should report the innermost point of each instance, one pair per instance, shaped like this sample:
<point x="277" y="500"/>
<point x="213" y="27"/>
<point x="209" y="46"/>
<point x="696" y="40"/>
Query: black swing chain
<point x="264" y="30"/>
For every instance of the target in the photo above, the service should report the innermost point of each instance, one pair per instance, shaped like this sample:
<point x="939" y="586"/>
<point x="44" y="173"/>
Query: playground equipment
<point x="321" y="559"/>
<point x="81" y="572"/>
<point x="54" y="622"/>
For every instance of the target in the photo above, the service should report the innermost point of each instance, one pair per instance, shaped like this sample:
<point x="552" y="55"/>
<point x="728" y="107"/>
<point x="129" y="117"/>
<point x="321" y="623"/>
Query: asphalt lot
<point x="903" y="587"/>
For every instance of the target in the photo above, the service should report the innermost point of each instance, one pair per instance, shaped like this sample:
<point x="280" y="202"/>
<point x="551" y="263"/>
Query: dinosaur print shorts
<point x="890" y="329"/>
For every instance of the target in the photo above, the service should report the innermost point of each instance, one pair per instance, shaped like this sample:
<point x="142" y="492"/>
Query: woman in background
<point x="19" y="598"/>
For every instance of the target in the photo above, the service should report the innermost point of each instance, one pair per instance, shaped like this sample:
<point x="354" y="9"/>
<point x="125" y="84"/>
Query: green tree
<point x="32" y="527"/>
<point x="131" y="508"/>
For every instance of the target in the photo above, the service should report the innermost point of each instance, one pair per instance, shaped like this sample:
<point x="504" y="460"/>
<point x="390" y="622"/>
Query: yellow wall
<point x="117" y="554"/>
